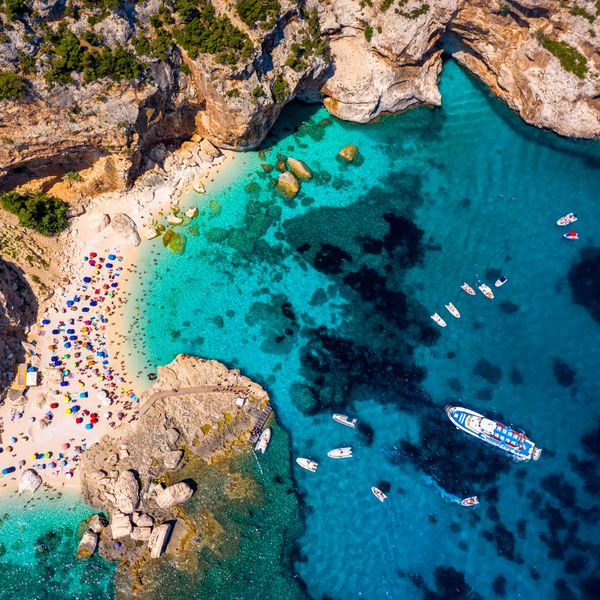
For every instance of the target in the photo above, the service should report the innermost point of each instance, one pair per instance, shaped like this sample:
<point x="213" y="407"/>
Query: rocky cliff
<point x="100" y="83"/>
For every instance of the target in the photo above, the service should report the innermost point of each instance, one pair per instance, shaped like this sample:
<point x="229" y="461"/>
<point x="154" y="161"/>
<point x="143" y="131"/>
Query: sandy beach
<point x="79" y="346"/>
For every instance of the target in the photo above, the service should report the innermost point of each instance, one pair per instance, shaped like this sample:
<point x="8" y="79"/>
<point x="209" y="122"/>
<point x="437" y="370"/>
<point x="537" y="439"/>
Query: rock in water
<point x="172" y="459"/>
<point x="174" y="494"/>
<point x="159" y="539"/>
<point x="30" y="481"/>
<point x="125" y="227"/>
<point x="348" y="153"/>
<point x="120" y="525"/>
<point x="87" y="545"/>
<point x="127" y="492"/>
<point x="299" y="169"/>
<point x="287" y="184"/>
<point x="97" y="523"/>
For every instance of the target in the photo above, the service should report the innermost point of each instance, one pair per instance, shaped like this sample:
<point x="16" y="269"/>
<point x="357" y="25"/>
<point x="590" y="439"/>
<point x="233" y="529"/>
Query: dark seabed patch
<point x="584" y="278"/>
<point x="508" y="308"/>
<point x="486" y="370"/>
<point x="564" y="374"/>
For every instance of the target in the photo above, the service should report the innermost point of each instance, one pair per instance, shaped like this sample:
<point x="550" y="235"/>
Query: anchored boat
<point x="378" y="494"/>
<point x="572" y="235"/>
<point x="344" y="420"/>
<point x="306" y="463"/>
<point x="263" y="440"/>
<point x="486" y="290"/>
<point x="340" y="453"/>
<point x="452" y="310"/>
<point x="494" y="433"/>
<point x="567" y="219"/>
<point x="467" y="288"/>
<point x="438" y="320"/>
<point x="471" y="501"/>
<point x="501" y="281"/>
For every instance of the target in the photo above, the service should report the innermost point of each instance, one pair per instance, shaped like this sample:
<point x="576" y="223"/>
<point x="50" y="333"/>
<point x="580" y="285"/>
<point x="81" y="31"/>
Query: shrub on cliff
<point x="15" y="8"/>
<point x="12" y="87"/>
<point x="280" y="88"/>
<point x="254" y="12"/>
<point x="45" y="214"/>
<point x="570" y="58"/>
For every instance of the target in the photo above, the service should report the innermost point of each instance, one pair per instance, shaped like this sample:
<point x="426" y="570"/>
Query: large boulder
<point x="299" y="169"/>
<point x="87" y="545"/>
<point x="141" y="533"/>
<point x="172" y="459"/>
<point x="159" y="539"/>
<point x="30" y="481"/>
<point x="208" y="148"/>
<point x="97" y="523"/>
<point x="287" y="184"/>
<point x="127" y="492"/>
<point x="125" y="227"/>
<point x="174" y="494"/>
<point x="98" y="222"/>
<point x="120" y="525"/>
<point x="348" y="153"/>
<point x="143" y="520"/>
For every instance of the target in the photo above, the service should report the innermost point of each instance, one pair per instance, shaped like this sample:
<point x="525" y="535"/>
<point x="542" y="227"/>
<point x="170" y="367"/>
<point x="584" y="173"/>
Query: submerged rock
<point x="30" y="481"/>
<point x="174" y="494"/>
<point x="299" y="169"/>
<point x="287" y="184"/>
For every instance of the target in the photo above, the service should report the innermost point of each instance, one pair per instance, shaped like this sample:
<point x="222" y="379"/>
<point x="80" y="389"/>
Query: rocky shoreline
<point x="198" y="415"/>
<point x="361" y="59"/>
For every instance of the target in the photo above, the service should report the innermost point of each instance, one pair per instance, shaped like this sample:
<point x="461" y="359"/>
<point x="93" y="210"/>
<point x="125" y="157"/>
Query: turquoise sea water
<point x="326" y="299"/>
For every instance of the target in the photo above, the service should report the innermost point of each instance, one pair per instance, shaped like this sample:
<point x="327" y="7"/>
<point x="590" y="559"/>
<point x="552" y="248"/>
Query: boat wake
<point x="431" y="482"/>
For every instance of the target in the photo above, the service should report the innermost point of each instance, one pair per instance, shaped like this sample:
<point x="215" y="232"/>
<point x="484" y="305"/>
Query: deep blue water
<point x="326" y="299"/>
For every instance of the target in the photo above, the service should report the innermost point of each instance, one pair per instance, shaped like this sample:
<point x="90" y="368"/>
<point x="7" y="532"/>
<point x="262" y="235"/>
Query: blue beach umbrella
<point x="109" y="265"/>
<point x="45" y="321"/>
<point x="64" y="383"/>
<point x="70" y="331"/>
<point x="93" y="303"/>
<point x="67" y="344"/>
<point x="89" y="426"/>
<point x="85" y="309"/>
<point x="87" y="279"/>
<point x="111" y="257"/>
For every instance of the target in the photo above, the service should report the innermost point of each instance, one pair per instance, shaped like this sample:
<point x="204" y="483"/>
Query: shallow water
<point x="326" y="301"/>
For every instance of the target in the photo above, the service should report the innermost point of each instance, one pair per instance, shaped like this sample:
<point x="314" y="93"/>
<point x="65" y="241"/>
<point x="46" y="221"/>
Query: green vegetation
<point x="570" y="58"/>
<point x="280" y="88"/>
<point x="255" y="12"/>
<point x="386" y="4"/>
<point x="415" y="13"/>
<point x="26" y="63"/>
<point x="70" y="56"/>
<point x="42" y="213"/>
<point x="233" y="93"/>
<point x="257" y="93"/>
<point x="15" y="8"/>
<point x="577" y="11"/>
<point x="313" y="43"/>
<point x="72" y="176"/>
<point x="368" y="33"/>
<point x="203" y="31"/>
<point x="12" y="86"/>
<point x="597" y="9"/>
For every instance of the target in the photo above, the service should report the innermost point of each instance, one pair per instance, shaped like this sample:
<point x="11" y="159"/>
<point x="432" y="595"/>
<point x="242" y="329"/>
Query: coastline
<point x="43" y="430"/>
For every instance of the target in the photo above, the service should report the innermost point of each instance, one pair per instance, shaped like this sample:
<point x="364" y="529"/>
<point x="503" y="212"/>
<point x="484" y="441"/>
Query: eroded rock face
<point x="87" y="545"/>
<point x="30" y="481"/>
<point x="174" y="494"/>
<point x="159" y="539"/>
<point x="126" y="228"/>
<point x="127" y="492"/>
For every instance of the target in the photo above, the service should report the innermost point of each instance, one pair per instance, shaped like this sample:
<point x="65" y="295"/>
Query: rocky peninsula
<point x="93" y="87"/>
<point x="168" y="483"/>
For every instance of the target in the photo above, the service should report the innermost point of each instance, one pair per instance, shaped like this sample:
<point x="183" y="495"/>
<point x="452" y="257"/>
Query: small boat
<point x="567" y="219"/>
<point x="378" y="494"/>
<point x="438" y="320"/>
<point x="340" y="453"/>
<point x="471" y="501"/>
<point x="344" y="420"/>
<point x="501" y="281"/>
<point x="467" y="288"/>
<point x="515" y="443"/>
<point x="263" y="440"/>
<point x="198" y="187"/>
<point x="485" y="290"/>
<point x="309" y="465"/>
<point x="452" y="310"/>
<point x="572" y="235"/>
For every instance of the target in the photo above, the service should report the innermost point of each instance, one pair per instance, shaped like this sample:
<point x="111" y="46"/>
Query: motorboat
<point x="306" y="463"/>
<point x="500" y="281"/>
<point x="485" y="290"/>
<point x="572" y="235"/>
<point x="452" y="310"/>
<point x="467" y="288"/>
<point x="515" y="443"/>
<point x="340" y="453"/>
<point x="344" y="420"/>
<point x="438" y="320"/>
<point x="263" y="440"/>
<point x="471" y="501"/>
<point x="567" y="219"/>
<point x="379" y="494"/>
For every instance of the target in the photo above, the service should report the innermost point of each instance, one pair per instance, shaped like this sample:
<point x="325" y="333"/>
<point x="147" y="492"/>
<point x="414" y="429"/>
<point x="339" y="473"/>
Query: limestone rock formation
<point x="87" y="545"/>
<point x="98" y="221"/>
<point x="142" y="520"/>
<point x="159" y="539"/>
<point x="30" y="481"/>
<point x="127" y="492"/>
<point x="141" y="533"/>
<point x="126" y="228"/>
<point x="120" y="525"/>
<point x="174" y="494"/>
<point x="172" y="459"/>
<point x="348" y="153"/>
<point x="299" y="169"/>
<point x="287" y="184"/>
<point x="97" y="523"/>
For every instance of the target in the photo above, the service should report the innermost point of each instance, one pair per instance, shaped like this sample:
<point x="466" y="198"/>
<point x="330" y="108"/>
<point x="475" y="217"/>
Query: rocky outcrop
<point x="127" y="492"/>
<point x="120" y="525"/>
<point x="126" y="228"/>
<point x="174" y="494"/>
<point x="287" y="184"/>
<point x="172" y="459"/>
<point x="299" y="169"/>
<point x="159" y="539"/>
<point x="348" y="153"/>
<point x="87" y="545"/>
<point x="30" y="481"/>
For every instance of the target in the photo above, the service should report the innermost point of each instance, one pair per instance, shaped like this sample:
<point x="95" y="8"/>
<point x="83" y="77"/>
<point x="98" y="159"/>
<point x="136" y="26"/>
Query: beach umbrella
<point x="64" y="383"/>
<point x="72" y="337"/>
<point x="47" y="454"/>
<point x="93" y="303"/>
<point x="68" y="411"/>
<point x="54" y="405"/>
<point x="22" y="463"/>
<point x="67" y="344"/>
<point x="66" y="446"/>
<point x="75" y="408"/>
<point x="1" y="450"/>
<point x="32" y="419"/>
<point x="68" y="475"/>
<point x="70" y="331"/>
<point x="93" y="254"/>
<point x="89" y="426"/>
<point x="111" y="257"/>
<point x="109" y="265"/>
<point x="55" y="331"/>
<point x="85" y="309"/>
<point x="78" y="420"/>
<point x="13" y="440"/>
<point x="114" y="284"/>
<point x="45" y="321"/>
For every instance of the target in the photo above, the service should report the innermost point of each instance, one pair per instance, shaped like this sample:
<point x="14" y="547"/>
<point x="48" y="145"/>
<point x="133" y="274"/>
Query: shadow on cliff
<point x="294" y="116"/>
<point x="18" y="311"/>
